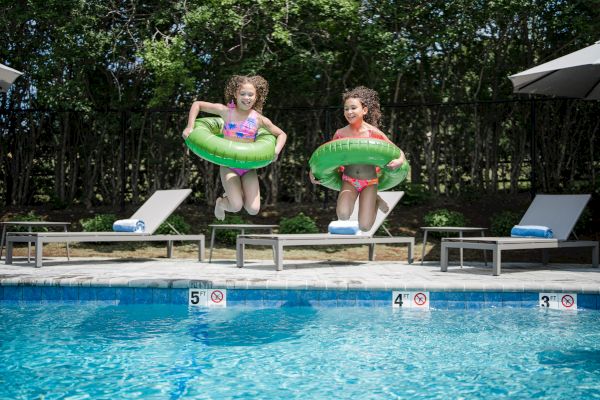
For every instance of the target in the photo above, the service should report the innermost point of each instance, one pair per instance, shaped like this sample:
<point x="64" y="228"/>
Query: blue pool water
<point x="170" y="352"/>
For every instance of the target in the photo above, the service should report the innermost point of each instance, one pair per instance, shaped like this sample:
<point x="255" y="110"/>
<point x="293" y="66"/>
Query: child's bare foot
<point x="382" y="205"/>
<point x="219" y="211"/>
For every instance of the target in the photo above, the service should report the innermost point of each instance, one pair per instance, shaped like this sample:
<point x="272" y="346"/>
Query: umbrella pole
<point x="533" y="150"/>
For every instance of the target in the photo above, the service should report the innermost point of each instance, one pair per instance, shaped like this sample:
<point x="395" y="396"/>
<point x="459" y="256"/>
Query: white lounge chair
<point x="558" y="212"/>
<point x="279" y="241"/>
<point x="153" y="212"/>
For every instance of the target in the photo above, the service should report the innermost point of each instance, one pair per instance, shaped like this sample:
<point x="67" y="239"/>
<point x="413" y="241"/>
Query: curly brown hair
<point x="260" y="84"/>
<point x="368" y="98"/>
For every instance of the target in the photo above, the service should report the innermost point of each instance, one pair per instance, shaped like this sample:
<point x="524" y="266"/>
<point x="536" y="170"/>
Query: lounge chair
<point x="558" y="212"/>
<point x="279" y="241"/>
<point x="153" y="212"/>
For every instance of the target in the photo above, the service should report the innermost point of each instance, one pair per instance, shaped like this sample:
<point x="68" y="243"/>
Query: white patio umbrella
<point x="575" y="75"/>
<point x="7" y="77"/>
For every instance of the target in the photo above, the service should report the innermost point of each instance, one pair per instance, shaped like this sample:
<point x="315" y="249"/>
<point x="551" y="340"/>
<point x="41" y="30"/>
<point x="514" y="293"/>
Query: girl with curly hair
<point x="362" y="111"/>
<point x="245" y="97"/>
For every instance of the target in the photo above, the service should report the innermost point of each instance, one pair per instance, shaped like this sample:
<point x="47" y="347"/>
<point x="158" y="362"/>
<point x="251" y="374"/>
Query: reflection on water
<point x="252" y="327"/>
<point x="588" y="360"/>
<point x="132" y="322"/>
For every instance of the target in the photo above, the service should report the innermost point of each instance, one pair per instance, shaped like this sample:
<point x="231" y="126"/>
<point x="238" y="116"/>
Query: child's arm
<point x="275" y="130"/>
<point x="397" y="162"/>
<point x="312" y="178"/>
<point x="197" y="106"/>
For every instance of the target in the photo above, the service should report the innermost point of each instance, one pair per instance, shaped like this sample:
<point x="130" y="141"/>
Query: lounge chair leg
<point x="424" y="246"/>
<point x="545" y="256"/>
<point x="279" y="256"/>
<point x="411" y="249"/>
<point x="170" y="249"/>
<point x="9" y="252"/>
<point x="444" y="257"/>
<point x="594" y="256"/>
<point x="496" y="261"/>
<point x="29" y="247"/>
<point x="371" y="252"/>
<point x="484" y="251"/>
<point x="201" y="254"/>
<point x="212" y="243"/>
<point x="68" y="251"/>
<point x="460" y="234"/>
<point x="39" y="245"/>
<point x="239" y="253"/>
<point x="2" y="239"/>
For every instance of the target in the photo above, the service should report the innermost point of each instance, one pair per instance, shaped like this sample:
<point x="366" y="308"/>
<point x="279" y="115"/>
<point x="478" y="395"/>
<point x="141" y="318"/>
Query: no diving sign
<point x="558" y="301"/>
<point x="410" y="300"/>
<point x="208" y="298"/>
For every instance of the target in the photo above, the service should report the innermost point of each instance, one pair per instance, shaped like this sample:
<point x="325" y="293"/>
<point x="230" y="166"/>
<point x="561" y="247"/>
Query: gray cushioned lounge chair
<point x="559" y="212"/>
<point x="153" y="212"/>
<point x="279" y="241"/>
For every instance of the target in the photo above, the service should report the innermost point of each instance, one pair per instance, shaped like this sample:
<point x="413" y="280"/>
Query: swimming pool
<point x="171" y="351"/>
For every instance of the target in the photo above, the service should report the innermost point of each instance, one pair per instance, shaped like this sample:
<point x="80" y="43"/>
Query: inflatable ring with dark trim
<point x="207" y="141"/>
<point x="329" y="157"/>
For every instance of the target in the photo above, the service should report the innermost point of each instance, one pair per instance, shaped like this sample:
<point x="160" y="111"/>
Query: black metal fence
<point x="111" y="157"/>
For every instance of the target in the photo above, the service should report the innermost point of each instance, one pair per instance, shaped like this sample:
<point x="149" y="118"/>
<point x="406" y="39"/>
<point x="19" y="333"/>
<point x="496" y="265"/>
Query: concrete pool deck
<point x="332" y="275"/>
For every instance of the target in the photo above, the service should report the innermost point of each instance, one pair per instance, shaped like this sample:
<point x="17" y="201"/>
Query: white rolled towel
<point x="343" y="227"/>
<point x="129" y="225"/>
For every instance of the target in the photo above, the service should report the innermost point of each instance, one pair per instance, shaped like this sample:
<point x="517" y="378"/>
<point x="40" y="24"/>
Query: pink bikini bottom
<point x="360" y="184"/>
<point x="239" y="171"/>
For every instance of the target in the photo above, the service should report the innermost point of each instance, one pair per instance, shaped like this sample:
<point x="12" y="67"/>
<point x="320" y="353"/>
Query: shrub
<point x="229" y="236"/>
<point x="178" y="222"/>
<point x="501" y="223"/>
<point x="414" y="193"/>
<point x="298" y="224"/>
<point x="444" y="217"/>
<point x="99" y="223"/>
<point x="30" y="216"/>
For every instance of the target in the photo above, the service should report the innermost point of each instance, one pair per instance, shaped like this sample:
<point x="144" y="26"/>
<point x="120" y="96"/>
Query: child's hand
<point x="276" y="156"/>
<point x="186" y="132"/>
<point x="395" y="163"/>
<point x="312" y="178"/>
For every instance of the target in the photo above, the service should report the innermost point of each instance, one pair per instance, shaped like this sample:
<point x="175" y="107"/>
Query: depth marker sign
<point x="207" y="297"/>
<point x="558" y="301"/>
<point x="410" y="300"/>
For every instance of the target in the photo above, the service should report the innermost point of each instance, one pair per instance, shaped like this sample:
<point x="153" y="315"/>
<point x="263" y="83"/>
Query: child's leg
<point x="233" y="200"/>
<point x="367" y="207"/>
<point x="346" y="200"/>
<point x="382" y="204"/>
<point x="251" y="190"/>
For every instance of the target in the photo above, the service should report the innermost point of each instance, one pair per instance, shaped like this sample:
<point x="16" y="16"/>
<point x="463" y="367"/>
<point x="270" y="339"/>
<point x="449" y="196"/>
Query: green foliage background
<point x="111" y="82"/>
<point x="298" y="224"/>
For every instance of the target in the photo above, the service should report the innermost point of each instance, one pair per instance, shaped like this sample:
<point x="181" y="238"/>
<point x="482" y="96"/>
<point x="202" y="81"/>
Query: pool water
<point x="170" y="352"/>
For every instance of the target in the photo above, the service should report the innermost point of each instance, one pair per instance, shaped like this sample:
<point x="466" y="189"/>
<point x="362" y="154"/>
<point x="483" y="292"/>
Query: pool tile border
<point x="258" y="297"/>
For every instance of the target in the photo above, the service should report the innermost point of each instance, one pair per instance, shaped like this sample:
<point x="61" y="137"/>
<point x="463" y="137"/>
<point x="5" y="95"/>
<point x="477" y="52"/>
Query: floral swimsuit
<point x="246" y="129"/>
<point x="360" y="184"/>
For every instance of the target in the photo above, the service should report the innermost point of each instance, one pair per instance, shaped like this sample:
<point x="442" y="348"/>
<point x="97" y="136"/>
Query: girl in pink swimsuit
<point x="245" y="97"/>
<point x="362" y="111"/>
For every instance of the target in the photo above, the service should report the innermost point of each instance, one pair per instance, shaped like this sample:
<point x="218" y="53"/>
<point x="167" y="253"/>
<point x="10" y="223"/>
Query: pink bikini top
<point x="246" y="129"/>
<point x="372" y="135"/>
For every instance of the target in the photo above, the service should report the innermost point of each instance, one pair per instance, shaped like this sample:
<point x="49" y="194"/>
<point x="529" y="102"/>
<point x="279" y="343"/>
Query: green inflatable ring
<point x="329" y="157"/>
<point x="207" y="141"/>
